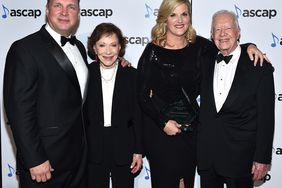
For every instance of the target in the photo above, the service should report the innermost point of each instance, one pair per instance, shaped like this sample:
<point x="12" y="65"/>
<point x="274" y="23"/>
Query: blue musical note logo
<point x="275" y="41"/>
<point x="238" y="11"/>
<point x="148" y="11"/>
<point x="6" y="12"/>
<point x="11" y="171"/>
<point x="148" y="173"/>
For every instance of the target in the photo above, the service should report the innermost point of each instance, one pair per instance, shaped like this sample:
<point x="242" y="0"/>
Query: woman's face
<point x="178" y="21"/>
<point x="107" y="49"/>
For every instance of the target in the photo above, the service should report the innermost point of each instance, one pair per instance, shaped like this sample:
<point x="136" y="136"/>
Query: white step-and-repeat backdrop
<point x="259" y="20"/>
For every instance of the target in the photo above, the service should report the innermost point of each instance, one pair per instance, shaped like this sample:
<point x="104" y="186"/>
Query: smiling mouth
<point x="223" y="40"/>
<point x="108" y="57"/>
<point x="179" y="26"/>
<point x="63" y="20"/>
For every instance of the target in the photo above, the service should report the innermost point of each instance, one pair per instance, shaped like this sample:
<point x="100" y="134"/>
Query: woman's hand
<point x="255" y="54"/>
<point x="172" y="128"/>
<point x="136" y="163"/>
<point x="124" y="62"/>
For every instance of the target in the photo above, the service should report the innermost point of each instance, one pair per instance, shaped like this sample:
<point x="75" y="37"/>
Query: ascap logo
<point x="275" y="40"/>
<point x="267" y="177"/>
<point x="277" y="151"/>
<point x="96" y="12"/>
<point x="137" y="40"/>
<point x="266" y="13"/>
<point x="11" y="171"/>
<point x="148" y="173"/>
<point x="150" y="11"/>
<point x="278" y="97"/>
<point x="33" y="13"/>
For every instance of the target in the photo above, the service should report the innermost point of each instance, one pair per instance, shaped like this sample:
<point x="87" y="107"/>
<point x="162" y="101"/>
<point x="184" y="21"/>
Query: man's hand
<point x="136" y="163"/>
<point x="259" y="170"/>
<point x="42" y="172"/>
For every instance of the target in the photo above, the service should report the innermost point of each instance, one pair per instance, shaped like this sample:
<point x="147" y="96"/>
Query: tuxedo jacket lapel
<point x="96" y="88"/>
<point x="60" y="57"/>
<point x="118" y="89"/>
<point x="210" y="73"/>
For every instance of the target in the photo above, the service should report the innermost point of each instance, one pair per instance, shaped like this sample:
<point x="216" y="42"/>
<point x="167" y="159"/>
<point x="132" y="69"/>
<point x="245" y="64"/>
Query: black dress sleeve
<point x="144" y="71"/>
<point x="206" y="48"/>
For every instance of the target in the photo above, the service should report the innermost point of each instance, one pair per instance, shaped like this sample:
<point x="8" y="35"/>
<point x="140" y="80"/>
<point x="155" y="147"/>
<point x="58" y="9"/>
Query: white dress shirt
<point x="75" y="58"/>
<point x="108" y="77"/>
<point x="223" y="78"/>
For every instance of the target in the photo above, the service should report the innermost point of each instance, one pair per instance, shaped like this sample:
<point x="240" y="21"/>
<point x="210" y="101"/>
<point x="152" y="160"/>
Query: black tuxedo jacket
<point x="43" y="103"/>
<point x="126" y="122"/>
<point x="242" y="131"/>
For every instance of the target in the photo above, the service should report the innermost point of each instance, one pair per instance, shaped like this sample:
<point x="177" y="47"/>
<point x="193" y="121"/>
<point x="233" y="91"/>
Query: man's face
<point x="225" y="33"/>
<point x="63" y="16"/>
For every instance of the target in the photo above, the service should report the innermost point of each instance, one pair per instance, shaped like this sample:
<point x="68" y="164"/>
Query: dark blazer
<point x="43" y="103"/>
<point x="242" y="131"/>
<point x="126" y="123"/>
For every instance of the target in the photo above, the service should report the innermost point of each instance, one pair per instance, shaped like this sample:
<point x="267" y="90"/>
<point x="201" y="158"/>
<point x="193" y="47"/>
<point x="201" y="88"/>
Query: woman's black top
<point x="163" y="72"/>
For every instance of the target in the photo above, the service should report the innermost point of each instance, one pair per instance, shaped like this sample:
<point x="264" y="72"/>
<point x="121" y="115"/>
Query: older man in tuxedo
<point x="237" y="112"/>
<point x="45" y="80"/>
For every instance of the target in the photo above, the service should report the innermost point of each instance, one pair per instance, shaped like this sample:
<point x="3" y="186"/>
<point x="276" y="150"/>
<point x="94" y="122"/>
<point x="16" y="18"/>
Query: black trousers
<point x="210" y="179"/>
<point x="167" y="177"/>
<point x="99" y="174"/>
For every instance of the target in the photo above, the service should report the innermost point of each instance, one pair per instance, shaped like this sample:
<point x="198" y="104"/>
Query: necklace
<point x="107" y="74"/>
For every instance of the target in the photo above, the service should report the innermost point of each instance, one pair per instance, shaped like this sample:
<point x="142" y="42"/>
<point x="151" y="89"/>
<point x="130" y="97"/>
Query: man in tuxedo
<point x="45" y="80"/>
<point x="237" y="112"/>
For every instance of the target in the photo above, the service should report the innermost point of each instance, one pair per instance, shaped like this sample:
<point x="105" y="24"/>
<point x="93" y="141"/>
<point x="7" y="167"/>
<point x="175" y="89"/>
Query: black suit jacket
<point x="242" y="131"/>
<point x="126" y="115"/>
<point x="43" y="103"/>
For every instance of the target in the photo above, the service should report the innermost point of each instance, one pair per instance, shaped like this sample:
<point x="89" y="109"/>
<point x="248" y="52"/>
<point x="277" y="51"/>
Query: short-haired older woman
<point x="111" y="111"/>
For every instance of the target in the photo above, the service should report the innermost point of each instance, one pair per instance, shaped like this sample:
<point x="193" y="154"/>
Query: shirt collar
<point x="236" y="53"/>
<point x="56" y="36"/>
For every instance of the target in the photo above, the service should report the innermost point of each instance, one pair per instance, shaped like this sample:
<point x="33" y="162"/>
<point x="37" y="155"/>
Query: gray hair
<point x="231" y="13"/>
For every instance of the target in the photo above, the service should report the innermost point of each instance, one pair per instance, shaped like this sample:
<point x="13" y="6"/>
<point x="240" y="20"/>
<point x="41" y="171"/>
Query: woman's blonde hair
<point x="160" y="29"/>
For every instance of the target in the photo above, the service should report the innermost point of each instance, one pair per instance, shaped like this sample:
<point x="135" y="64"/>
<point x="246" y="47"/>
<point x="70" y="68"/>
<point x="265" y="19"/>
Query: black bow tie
<point x="220" y="57"/>
<point x="71" y="40"/>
